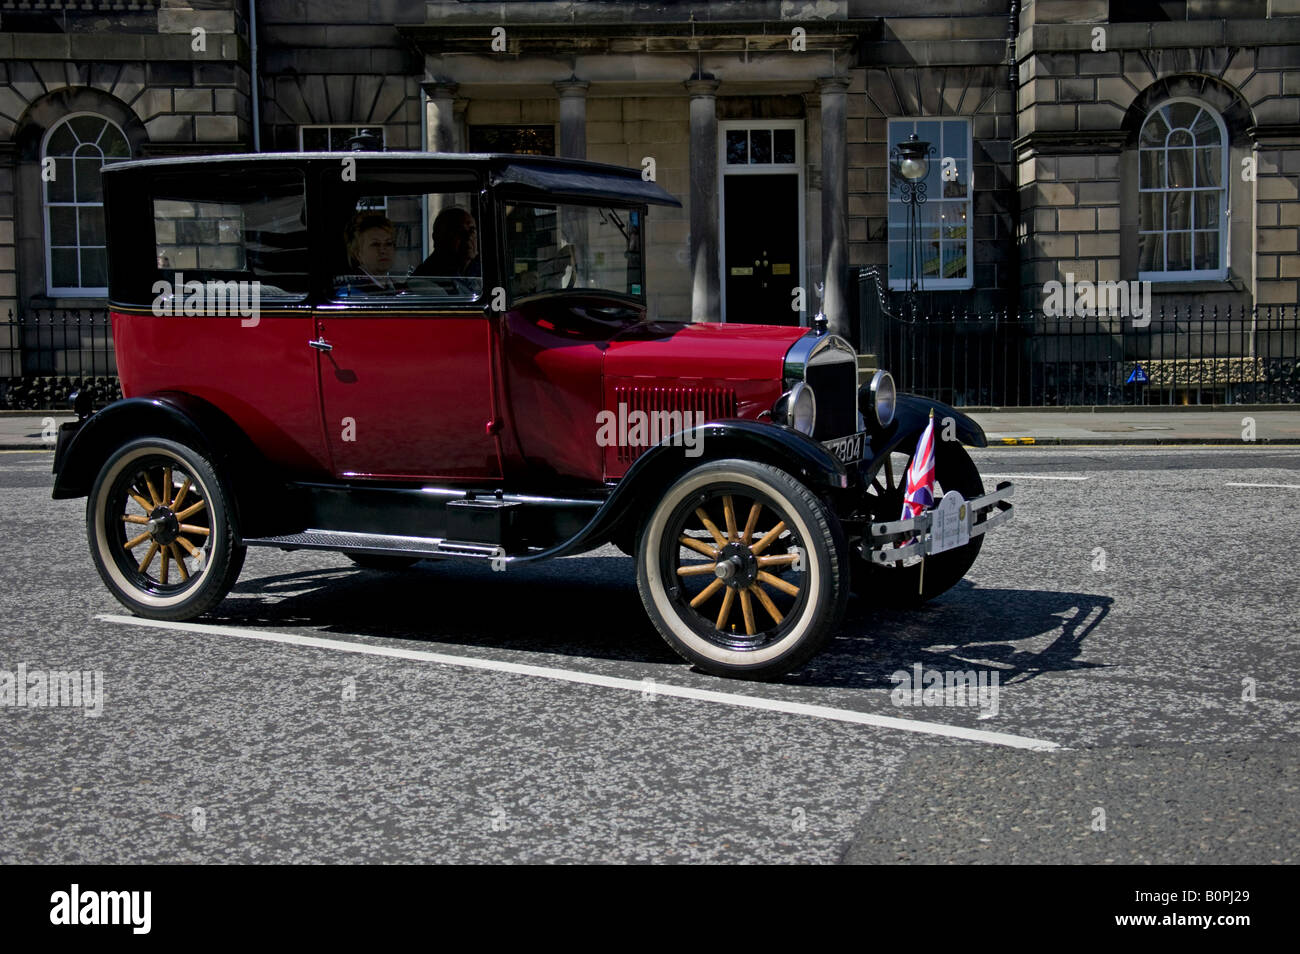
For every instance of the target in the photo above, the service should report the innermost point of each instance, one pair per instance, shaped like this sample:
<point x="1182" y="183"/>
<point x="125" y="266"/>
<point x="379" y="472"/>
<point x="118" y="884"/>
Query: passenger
<point x="372" y="246"/>
<point x="455" y="245"/>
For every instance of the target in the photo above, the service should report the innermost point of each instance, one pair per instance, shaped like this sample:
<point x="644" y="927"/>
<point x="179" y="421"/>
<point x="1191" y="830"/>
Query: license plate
<point x="949" y="523"/>
<point x="846" y="449"/>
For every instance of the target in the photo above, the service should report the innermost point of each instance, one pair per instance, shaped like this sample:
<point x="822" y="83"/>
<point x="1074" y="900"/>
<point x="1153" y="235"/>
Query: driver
<point x="455" y="245"/>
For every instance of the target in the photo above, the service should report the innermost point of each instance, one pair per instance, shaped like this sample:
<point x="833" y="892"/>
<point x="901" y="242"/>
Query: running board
<point x="379" y="544"/>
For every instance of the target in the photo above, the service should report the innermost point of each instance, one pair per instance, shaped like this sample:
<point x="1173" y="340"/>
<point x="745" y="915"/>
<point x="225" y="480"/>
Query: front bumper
<point x="904" y="539"/>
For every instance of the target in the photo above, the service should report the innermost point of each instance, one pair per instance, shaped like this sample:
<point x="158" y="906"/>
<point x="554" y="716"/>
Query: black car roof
<point x="538" y="175"/>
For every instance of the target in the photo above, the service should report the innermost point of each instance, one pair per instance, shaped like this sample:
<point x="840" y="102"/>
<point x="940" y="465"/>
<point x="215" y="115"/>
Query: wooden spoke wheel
<point x="159" y="529"/>
<point x="742" y="569"/>
<point x="899" y="584"/>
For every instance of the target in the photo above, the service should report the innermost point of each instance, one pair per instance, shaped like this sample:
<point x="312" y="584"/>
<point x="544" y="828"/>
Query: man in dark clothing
<point x="455" y="245"/>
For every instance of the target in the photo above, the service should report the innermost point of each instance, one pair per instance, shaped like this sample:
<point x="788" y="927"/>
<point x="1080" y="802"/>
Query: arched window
<point x="1182" y="192"/>
<point x="75" y="150"/>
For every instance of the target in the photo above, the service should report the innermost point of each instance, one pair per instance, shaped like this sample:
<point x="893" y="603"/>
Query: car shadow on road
<point x="588" y="607"/>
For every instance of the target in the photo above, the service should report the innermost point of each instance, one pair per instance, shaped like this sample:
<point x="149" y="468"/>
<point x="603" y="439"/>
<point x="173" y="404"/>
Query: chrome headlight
<point x="797" y="408"/>
<point x="884" y="397"/>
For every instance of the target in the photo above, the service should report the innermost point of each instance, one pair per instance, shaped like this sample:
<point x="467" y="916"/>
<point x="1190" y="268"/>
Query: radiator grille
<point x="713" y="402"/>
<point x="836" y="387"/>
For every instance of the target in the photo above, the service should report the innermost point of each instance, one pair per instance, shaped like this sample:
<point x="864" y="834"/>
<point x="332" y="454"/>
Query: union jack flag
<point x="920" y="476"/>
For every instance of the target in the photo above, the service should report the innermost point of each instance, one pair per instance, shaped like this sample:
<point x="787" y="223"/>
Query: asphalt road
<point x="1120" y="701"/>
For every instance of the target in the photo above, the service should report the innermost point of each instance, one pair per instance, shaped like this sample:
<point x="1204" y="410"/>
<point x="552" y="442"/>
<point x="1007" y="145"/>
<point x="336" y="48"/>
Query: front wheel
<point x="742" y="569"/>
<point x="902" y="585"/>
<point x="160" y="529"/>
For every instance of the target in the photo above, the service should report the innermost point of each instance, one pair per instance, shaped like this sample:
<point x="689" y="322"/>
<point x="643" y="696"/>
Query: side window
<point x="410" y="237"/>
<point x="228" y="228"/>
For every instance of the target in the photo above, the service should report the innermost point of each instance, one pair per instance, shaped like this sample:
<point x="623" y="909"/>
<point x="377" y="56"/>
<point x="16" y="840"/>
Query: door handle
<point x="320" y="344"/>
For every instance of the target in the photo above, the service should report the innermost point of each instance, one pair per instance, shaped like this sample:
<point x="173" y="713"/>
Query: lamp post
<point x="911" y="163"/>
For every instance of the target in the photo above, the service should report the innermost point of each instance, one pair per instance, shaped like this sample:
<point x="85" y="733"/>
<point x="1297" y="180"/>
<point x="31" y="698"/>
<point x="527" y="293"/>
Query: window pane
<point x="88" y="187"/>
<point x="1154" y="130"/>
<point x="1179" y="168"/>
<point x="1178" y="252"/>
<point x="928" y="221"/>
<point x="737" y="146"/>
<point x="339" y="138"/>
<point x="1151" y="169"/>
<point x="954" y="139"/>
<point x="1151" y="211"/>
<point x="59" y="189"/>
<point x="94" y="268"/>
<point x="760" y="145"/>
<point x="63" y="225"/>
<point x="87" y="128"/>
<point x="952" y="220"/>
<point x="1180" y="138"/>
<point x="1207" y="250"/>
<point x="783" y="145"/>
<point x="929" y="252"/>
<point x="954" y="259"/>
<point x="954" y="178"/>
<point x="315" y="140"/>
<point x="929" y="132"/>
<point x="61" y="141"/>
<point x="567" y="246"/>
<point x="1206" y="130"/>
<point x="1209" y="166"/>
<point x="63" y="268"/>
<point x="114" y="144"/>
<point x="92" y="225"/>
<point x="1182" y="114"/>
<point x="1151" y="252"/>
<point x="1207" y="209"/>
<point x="226" y="225"/>
<point x="1178" y="211"/>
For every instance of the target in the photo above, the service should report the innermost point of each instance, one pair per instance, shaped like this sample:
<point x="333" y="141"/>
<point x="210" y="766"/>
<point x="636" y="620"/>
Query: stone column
<point x="441" y="135"/>
<point x="573" y="117"/>
<point x="706" y="294"/>
<point x="835" y="197"/>
<point x="439" y="110"/>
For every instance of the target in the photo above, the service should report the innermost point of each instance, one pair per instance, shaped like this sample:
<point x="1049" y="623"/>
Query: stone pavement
<point x="24" y="430"/>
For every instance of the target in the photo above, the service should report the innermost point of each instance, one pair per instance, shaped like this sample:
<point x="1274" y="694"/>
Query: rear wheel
<point x="900" y="584"/>
<point x="160" y="529"/>
<point x="742" y="570"/>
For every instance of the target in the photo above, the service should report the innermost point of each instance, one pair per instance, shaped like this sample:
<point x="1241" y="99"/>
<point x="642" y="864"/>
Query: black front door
<point x="762" y="248"/>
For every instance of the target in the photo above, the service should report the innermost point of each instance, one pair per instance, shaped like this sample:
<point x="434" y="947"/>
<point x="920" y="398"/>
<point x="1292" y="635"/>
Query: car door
<point x="405" y="360"/>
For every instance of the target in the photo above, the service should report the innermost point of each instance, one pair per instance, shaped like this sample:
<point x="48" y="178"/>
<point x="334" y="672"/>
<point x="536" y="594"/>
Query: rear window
<point x="222" y="229"/>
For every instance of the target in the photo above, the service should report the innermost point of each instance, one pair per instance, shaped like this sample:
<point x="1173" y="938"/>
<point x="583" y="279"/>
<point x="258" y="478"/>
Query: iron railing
<point x="1174" y="355"/>
<point x="46" y="354"/>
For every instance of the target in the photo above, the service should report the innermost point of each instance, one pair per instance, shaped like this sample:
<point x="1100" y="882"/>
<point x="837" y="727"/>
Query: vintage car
<point x="415" y="356"/>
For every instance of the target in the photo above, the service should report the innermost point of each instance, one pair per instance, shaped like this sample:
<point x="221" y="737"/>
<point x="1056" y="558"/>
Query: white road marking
<point x="1035" y="477"/>
<point x="1275" y="486"/>
<point x="608" y="682"/>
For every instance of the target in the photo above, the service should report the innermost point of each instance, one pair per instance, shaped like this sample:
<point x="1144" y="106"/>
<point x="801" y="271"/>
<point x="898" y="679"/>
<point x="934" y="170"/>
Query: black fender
<point x="85" y="446"/>
<point x="652" y="472"/>
<point x="910" y="419"/>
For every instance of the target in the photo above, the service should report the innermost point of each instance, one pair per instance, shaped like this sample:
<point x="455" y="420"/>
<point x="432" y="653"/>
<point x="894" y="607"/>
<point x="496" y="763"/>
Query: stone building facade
<point x="774" y="122"/>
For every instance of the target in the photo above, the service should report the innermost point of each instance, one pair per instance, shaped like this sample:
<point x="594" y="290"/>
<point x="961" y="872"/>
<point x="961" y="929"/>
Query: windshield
<point x="564" y="246"/>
